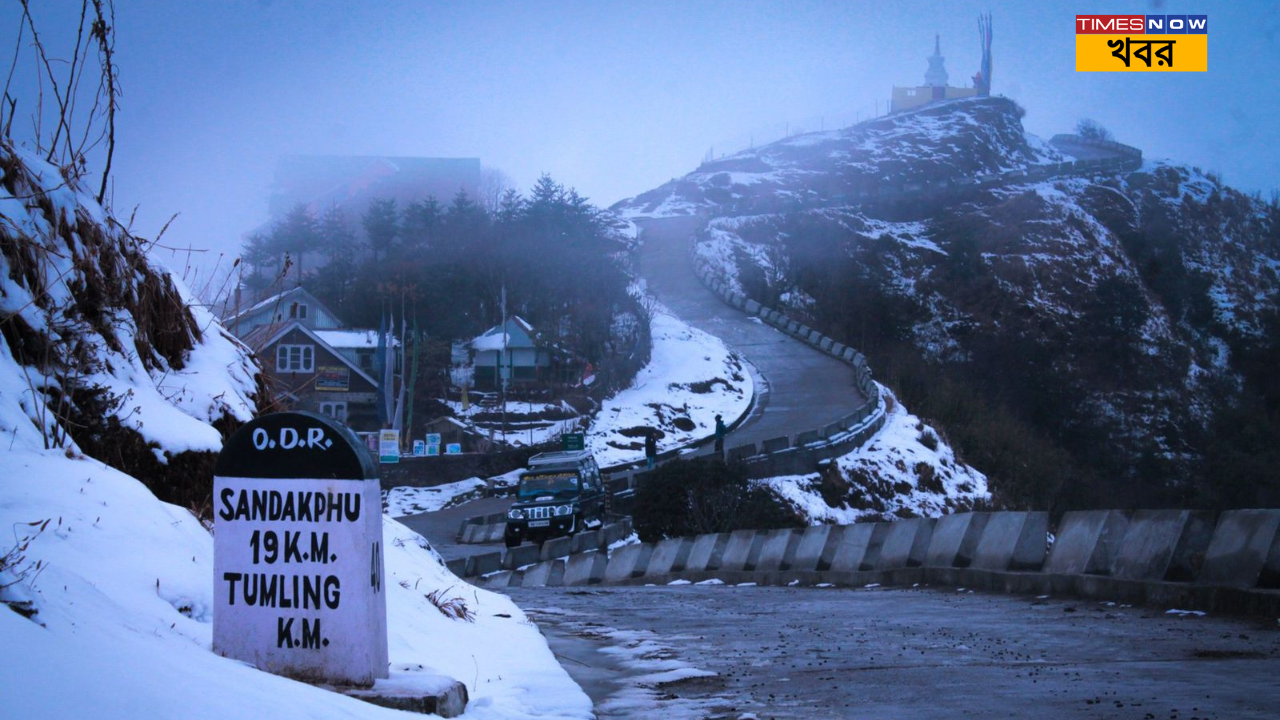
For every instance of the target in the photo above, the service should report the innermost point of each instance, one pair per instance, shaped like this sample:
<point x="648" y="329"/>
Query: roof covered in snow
<point x="519" y="334"/>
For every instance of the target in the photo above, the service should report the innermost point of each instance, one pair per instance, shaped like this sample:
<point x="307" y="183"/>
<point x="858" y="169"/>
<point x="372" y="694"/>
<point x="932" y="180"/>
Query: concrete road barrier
<point x="1013" y="541"/>
<point x="1087" y="541"/>
<point x="773" y="445"/>
<point x="1164" y="545"/>
<point x="669" y="555"/>
<point x="858" y="547"/>
<point x="1242" y="544"/>
<point x="955" y="540"/>
<point x="816" y="548"/>
<point x="585" y="568"/>
<point x="906" y="543"/>
<point x="707" y="552"/>
<point x="457" y="566"/>
<point x="584" y="541"/>
<point x="494" y="532"/>
<point x="556" y="547"/>
<point x="614" y="532"/>
<point x="500" y="579"/>
<point x="484" y="564"/>
<point x="545" y="574"/>
<point x="520" y="556"/>
<point x="627" y="562"/>
<point x="739" y="550"/>
<point x="742" y="452"/>
<point x="778" y="550"/>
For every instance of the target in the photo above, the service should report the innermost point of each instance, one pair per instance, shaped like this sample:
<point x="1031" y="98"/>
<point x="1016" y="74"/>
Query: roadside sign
<point x="297" y="556"/>
<point x="570" y="442"/>
<point x="389" y="446"/>
<point x="453" y="449"/>
<point x="419" y="448"/>
<point x="433" y="438"/>
<point x="433" y="449"/>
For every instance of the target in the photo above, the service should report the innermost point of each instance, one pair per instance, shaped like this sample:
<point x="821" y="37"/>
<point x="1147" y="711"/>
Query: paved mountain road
<point x="808" y="653"/>
<point x="803" y="388"/>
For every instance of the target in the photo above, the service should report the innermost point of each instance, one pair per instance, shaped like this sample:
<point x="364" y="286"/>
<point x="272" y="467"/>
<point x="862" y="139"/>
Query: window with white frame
<point x="335" y="410"/>
<point x="298" y="311"/>
<point x="295" y="358"/>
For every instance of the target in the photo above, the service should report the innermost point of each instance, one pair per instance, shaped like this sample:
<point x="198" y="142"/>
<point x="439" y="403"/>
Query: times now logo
<point x="1142" y="24"/>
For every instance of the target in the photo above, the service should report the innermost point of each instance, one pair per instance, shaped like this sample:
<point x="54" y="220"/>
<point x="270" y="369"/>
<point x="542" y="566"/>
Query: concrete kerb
<point x="1013" y="541"/>
<point x="1243" y="543"/>
<point x="1086" y="542"/>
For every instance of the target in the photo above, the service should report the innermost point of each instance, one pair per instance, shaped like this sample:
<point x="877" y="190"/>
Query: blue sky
<point x="613" y="98"/>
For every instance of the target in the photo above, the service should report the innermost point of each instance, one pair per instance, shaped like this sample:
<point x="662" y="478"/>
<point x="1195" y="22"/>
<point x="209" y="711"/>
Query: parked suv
<point x="560" y="494"/>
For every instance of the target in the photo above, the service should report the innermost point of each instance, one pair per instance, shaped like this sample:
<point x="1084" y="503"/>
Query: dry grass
<point x="454" y="608"/>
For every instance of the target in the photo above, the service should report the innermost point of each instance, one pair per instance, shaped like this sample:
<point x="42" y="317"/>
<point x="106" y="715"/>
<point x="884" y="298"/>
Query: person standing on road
<point x="650" y="448"/>
<point x="721" y="430"/>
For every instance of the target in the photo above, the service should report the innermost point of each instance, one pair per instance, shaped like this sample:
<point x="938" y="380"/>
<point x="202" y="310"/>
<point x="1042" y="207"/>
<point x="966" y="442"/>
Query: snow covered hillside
<point x="905" y="470"/>
<point x="106" y="592"/>
<point x="1086" y="327"/>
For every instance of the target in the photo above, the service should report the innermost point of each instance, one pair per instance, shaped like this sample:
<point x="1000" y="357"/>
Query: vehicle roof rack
<point x="559" y="456"/>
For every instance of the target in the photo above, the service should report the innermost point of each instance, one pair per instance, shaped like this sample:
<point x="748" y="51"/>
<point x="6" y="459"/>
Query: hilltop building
<point x="935" y="88"/>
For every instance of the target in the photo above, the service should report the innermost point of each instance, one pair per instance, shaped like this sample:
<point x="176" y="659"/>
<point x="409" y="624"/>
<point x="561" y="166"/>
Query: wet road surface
<point x="903" y="653"/>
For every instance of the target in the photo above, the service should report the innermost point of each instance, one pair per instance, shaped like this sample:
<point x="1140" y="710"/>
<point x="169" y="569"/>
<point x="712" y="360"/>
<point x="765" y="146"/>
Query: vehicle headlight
<point x="515" y="514"/>
<point x="564" y="510"/>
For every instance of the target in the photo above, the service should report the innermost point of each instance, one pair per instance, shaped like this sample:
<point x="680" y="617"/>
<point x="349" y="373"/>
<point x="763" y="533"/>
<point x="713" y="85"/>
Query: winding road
<point x="802" y="388"/>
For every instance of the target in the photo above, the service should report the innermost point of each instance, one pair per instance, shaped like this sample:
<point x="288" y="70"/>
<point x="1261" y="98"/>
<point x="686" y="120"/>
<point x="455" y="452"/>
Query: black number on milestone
<point x="375" y="568"/>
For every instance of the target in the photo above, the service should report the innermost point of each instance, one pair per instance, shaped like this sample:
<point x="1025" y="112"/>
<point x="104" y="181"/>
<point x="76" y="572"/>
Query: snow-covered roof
<point x="354" y="338"/>
<point x="267" y="302"/>
<point x="519" y="334"/>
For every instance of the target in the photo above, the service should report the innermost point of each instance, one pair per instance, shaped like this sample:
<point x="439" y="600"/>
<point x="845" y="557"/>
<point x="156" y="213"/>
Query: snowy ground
<point x="125" y="601"/>
<point x="896" y="471"/>
<point x="106" y="593"/>
<point x="402" y="501"/>
<point x="691" y="377"/>
<point x="521" y="433"/>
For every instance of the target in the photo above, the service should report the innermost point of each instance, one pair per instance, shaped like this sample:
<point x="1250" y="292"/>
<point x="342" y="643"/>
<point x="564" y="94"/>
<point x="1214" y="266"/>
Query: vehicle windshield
<point x="553" y="484"/>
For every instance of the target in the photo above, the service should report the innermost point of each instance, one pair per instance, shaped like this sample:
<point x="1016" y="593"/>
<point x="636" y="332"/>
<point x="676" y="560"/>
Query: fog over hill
<point x="1089" y="328"/>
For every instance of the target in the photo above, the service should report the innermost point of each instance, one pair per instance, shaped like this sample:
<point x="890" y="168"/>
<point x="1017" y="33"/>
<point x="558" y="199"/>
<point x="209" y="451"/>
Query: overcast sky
<point x="612" y="98"/>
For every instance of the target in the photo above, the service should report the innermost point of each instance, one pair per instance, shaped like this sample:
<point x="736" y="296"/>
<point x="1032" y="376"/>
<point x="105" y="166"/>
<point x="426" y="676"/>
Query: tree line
<point x="446" y="266"/>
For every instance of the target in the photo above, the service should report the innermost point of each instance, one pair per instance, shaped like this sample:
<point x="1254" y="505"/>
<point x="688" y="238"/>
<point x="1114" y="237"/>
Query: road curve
<point x="803" y="389"/>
